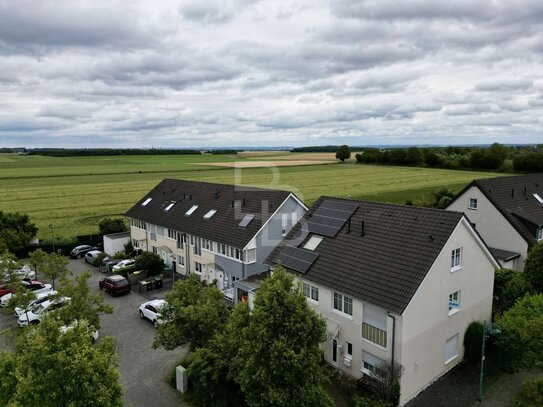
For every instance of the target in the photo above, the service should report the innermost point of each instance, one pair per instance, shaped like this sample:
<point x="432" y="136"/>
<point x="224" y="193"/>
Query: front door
<point x="334" y="352"/>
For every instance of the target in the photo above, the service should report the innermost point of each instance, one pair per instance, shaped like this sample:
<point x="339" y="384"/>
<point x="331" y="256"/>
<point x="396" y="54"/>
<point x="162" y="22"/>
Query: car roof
<point x="117" y="277"/>
<point x="94" y="252"/>
<point x="82" y="246"/>
<point x="155" y="303"/>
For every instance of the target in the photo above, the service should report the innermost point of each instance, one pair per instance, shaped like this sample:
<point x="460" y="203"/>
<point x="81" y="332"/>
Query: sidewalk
<point x="504" y="391"/>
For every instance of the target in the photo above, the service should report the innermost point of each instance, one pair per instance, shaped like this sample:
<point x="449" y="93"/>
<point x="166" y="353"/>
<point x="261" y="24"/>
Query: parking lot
<point x="143" y="369"/>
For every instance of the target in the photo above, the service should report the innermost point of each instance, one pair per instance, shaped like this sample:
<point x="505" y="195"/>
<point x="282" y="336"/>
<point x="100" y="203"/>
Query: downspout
<point x="393" y="336"/>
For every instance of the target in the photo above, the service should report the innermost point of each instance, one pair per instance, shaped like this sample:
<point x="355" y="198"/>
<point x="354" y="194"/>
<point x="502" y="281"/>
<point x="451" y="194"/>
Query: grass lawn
<point x="74" y="193"/>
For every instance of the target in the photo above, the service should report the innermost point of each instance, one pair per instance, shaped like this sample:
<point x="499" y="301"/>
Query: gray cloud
<point x="238" y="72"/>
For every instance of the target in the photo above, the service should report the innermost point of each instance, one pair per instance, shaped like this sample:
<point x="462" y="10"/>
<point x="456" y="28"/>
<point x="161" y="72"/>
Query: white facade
<point x="114" y="243"/>
<point x="429" y="333"/>
<point x="494" y="228"/>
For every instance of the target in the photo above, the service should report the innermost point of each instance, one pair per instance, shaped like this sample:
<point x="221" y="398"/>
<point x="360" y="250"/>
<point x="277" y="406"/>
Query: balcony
<point x="374" y="334"/>
<point x="229" y="293"/>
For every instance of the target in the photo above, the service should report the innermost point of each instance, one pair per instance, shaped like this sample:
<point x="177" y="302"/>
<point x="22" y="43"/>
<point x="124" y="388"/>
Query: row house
<point x="507" y="212"/>
<point x="394" y="283"/>
<point x="222" y="233"/>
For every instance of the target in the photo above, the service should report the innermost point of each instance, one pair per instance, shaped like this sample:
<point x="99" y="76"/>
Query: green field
<point x="74" y="193"/>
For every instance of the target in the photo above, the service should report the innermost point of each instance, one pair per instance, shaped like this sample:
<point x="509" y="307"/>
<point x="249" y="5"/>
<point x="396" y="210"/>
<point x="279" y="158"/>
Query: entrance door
<point x="334" y="352"/>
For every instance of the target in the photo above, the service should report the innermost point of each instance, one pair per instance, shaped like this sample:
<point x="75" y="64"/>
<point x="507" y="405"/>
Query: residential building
<point x="219" y="232"/>
<point x="507" y="212"/>
<point x="394" y="283"/>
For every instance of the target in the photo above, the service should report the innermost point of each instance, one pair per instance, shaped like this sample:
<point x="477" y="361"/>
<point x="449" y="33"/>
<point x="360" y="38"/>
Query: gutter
<point x="393" y="336"/>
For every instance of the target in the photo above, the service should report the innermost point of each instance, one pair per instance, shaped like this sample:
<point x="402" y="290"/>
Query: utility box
<point x="114" y="243"/>
<point x="181" y="379"/>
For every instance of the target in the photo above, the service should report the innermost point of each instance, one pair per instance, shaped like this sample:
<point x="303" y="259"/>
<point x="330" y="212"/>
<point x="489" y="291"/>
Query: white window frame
<point x="172" y="234"/>
<point x="454" y="302"/>
<point x="310" y="292"/>
<point x="197" y="266"/>
<point x="181" y="261"/>
<point x="473" y="203"/>
<point x="146" y="202"/>
<point x="451" y="358"/>
<point x="250" y="256"/>
<point x="456" y="259"/>
<point x="313" y="242"/>
<point x="210" y="214"/>
<point x="342" y="300"/>
<point x="191" y="210"/>
<point x="371" y="369"/>
<point x="539" y="233"/>
<point x="284" y="224"/>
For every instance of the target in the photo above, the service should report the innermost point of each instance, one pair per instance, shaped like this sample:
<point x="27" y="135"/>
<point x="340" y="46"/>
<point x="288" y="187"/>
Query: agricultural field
<point x="74" y="193"/>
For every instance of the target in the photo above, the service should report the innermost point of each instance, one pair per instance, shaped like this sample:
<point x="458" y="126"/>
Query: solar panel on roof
<point x="246" y="220"/>
<point x="330" y="217"/>
<point x="297" y="259"/>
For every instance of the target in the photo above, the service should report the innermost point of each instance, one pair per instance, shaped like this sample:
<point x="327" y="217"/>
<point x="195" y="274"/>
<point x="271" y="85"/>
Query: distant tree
<point x="432" y="159"/>
<point x="83" y="304"/>
<point x="151" y="263"/>
<point x="533" y="267"/>
<point x="509" y="287"/>
<point x="54" y="267"/>
<point x="413" y="156"/>
<point x="51" y="369"/>
<point x="280" y="348"/>
<point x="109" y="225"/>
<point x="521" y="340"/>
<point x="16" y="231"/>
<point x="8" y="265"/>
<point x="343" y="153"/>
<point x="442" y="198"/>
<point x="193" y="315"/>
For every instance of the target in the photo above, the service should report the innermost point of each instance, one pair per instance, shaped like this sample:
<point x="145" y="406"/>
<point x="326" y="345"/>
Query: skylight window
<point x="210" y="214"/>
<point x="169" y="206"/>
<point x="191" y="210"/>
<point x="246" y="220"/>
<point x="146" y="201"/>
<point x="313" y="242"/>
<point x="539" y="199"/>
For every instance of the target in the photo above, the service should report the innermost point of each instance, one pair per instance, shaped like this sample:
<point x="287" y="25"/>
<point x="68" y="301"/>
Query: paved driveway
<point x="143" y="369"/>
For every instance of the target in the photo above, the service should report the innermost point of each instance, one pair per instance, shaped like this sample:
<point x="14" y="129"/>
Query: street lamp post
<point x="487" y="329"/>
<point x="52" y="235"/>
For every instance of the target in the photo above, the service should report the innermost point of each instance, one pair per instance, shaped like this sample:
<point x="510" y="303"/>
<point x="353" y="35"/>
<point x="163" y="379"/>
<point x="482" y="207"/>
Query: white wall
<point x="491" y="225"/>
<point x="426" y="324"/>
<point x="114" y="245"/>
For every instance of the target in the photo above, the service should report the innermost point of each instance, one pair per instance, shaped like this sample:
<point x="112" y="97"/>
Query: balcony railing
<point x="228" y="293"/>
<point x="374" y="334"/>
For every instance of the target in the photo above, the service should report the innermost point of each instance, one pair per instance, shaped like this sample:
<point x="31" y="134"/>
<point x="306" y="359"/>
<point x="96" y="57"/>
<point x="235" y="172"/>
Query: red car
<point x="33" y="285"/>
<point x="115" y="285"/>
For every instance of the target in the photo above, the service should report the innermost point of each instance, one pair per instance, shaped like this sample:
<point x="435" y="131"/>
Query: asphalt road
<point x="143" y="369"/>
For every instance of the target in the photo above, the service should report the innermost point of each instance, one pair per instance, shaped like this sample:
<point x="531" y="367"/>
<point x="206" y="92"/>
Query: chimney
<point x="217" y="194"/>
<point x="233" y="203"/>
<point x="243" y="202"/>
<point x="190" y="197"/>
<point x="362" y="232"/>
<point x="184" y="195"/>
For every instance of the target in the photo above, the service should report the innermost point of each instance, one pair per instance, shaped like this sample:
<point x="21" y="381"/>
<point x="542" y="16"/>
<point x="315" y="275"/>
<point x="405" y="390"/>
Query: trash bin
<point x="157" y="283"/>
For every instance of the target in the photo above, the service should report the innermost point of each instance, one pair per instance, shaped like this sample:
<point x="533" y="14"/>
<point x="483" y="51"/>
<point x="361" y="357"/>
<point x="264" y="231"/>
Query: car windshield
<point x="119" y="283"/>
<point x="38" y="309"/>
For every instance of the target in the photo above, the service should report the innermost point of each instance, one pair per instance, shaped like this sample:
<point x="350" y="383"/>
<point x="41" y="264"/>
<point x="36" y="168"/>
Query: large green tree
<point x="16" y="231"/>
<point x="83" y="304"/>
<point x="533" y="268"/>
<point x="54" y="266"/>
<point x="151" y="263"/>
<point x="521" y="341"/>
<point x="112" y="225"/>
<point x="343" y="153"/>
<point x="509" y="286"/>
<point x="194" y="314"/>
<point x="51" y="368"/>
<point x="279" y="350"/>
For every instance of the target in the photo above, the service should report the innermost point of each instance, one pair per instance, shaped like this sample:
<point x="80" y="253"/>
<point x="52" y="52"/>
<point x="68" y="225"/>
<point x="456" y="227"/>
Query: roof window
<point x="191" y="210"/>
<point x="539" y="199"/>
<point x="169" y="206"/>
<point x="246" y="220"/>
<point x="146" y="201"/>
<point x="210" y="214"/>
<point x="313" y="242"/>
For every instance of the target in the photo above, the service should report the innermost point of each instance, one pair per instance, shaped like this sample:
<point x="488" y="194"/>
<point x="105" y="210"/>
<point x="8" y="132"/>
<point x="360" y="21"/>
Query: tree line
<point x="86" y="152"/>
<point x="496" y="157"/>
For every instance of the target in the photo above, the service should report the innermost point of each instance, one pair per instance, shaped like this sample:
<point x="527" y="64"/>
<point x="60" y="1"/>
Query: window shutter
<point x="451" y="348"/>
<point x="375" y="316"/>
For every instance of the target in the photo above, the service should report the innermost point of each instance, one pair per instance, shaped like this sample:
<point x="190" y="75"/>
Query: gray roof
<point x="387" y="264"/>
<point x="232" y="203"/>
<point x="513" y="197"/>
<point x="504" y="255"/>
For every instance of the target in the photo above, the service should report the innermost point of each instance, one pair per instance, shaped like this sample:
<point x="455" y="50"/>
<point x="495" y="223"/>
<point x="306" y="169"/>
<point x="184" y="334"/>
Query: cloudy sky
<point x="120" y="73"/>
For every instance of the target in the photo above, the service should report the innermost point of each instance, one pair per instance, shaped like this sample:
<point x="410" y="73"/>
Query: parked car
<point x="91" y="256"/>
<point x="33" y="285"/>
<point x="123" y="264"/>
<point x="151" y="310"/>
<point x="23" y="272"/>
<point x="35" y="315"/>
<point x="79" y="251"/>
<point x="40" y="299"/>
<point x="93" y="332"/>
<point x="115" y="285"/>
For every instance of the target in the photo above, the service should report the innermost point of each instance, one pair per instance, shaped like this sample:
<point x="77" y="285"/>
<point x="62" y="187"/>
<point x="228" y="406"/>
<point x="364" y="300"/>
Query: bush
<point x="509" y="287"/>
<point x="531" y="393"/>
<point x="152" y="264"/>
<point x="97" y="262"/>
<point x="360" y="400"/>
<point x="533" y="268"/>
<point x="473" y="342"/>
<point x="109" y="225"/>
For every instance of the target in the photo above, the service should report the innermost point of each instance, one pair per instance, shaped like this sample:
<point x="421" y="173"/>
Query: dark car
<point x="79" y="251"/>
<point x="115" y="285"/>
